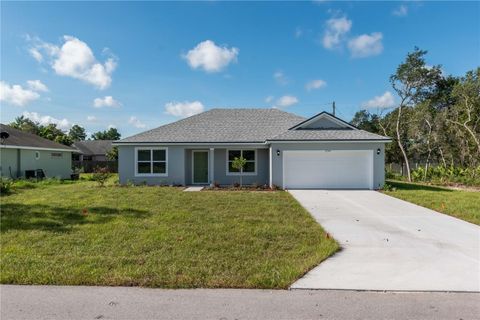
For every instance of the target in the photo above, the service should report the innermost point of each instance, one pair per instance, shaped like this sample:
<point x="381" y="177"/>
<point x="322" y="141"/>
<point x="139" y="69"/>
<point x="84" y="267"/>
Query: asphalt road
<point x="54" y="302"/>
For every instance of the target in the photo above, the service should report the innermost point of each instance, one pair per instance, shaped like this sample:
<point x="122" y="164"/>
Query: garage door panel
<point x="339" y="169"/>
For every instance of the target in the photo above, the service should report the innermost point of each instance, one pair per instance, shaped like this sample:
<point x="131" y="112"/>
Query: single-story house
<point x="23" y="153"/>
<point x="92" y="150"/>
<point x="281" y="149"/>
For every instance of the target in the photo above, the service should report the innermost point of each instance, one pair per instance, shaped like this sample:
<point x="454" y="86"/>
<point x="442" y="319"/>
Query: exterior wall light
<point x="378" y="151"/>
<point x="278" y="152"/>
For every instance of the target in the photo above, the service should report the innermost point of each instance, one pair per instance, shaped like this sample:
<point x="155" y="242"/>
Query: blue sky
<point x="136" y="66"/>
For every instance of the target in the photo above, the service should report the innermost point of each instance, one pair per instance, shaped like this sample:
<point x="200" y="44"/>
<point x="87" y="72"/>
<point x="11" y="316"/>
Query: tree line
<point x="436" y="120"/>
<point x="51" y="132"/>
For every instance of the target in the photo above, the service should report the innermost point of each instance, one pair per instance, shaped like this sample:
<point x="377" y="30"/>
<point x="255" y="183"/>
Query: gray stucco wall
<point x="175" y="166"/>
<point x="8" y="162"/>
<point x="323" y="123"/>
<point x="378" y="160"/>
<point x="54" y="167"/>
<point x="180" y="165"/>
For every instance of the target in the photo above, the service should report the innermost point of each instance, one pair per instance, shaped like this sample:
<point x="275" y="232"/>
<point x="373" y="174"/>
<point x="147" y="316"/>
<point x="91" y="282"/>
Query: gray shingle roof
<point x="222" y="125"/>
<point x="243" y="126"/>
<point x="24" y="139"/>
<point x="94" y="147"/>
<point x="327" y="135"/>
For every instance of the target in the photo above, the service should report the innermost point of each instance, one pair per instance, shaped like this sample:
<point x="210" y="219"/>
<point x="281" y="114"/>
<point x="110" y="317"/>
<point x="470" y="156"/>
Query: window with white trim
<point x="249" y="155"/>
<point x="151" y="161"/>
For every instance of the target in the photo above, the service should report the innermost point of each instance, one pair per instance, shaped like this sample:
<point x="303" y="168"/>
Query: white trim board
<point x="34" y="148"/>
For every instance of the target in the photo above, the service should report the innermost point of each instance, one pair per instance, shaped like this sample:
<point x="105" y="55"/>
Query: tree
<point x="110" y="134"/>
<point x="112" y="154"/>
<point x="239" y="163"/>
<point x="77" y="133"/>
<point x="25" y="124"/>
<point x="413" y="81"/>
<point x="49" y="131"/>
<point x="366" y="121"/>
<point x="465" y="113"/>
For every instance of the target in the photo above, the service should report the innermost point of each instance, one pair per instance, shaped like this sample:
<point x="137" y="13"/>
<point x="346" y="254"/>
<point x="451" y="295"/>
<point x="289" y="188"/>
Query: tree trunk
<point x="399" y="140"/>
<point x="443" y="158"/>
<point x="429" y="149"/>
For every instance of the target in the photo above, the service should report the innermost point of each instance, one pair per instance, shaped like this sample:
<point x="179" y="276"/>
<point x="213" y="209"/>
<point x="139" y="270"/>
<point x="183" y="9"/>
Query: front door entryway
<point x="200" y="167"/>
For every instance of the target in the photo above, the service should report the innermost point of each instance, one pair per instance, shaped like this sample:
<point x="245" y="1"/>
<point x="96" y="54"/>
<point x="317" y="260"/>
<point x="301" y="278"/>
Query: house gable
<point x="324" y="121"/>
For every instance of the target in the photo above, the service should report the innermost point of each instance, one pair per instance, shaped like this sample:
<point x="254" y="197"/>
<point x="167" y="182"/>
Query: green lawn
<point x="464" y="205"/>
<point x="156" y="237"/>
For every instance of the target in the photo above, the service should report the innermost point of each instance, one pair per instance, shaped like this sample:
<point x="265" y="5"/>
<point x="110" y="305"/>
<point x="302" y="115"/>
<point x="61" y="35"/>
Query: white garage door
<point x="335" y="169"/>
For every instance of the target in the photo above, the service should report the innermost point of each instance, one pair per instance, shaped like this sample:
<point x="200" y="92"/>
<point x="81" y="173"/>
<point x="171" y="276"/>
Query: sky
<point x="136" y="66"/>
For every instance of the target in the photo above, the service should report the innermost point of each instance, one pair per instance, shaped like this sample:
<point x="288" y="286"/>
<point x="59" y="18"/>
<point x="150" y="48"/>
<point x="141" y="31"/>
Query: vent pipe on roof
<point x="3" y="136"/>
<point x="333" y="107"/>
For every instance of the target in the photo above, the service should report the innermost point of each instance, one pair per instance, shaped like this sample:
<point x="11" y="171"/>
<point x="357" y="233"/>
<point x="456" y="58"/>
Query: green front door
<point x="200" y="166"/>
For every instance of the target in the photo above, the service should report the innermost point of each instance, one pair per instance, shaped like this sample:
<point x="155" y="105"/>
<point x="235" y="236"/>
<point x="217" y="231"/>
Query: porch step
<point x="193" y="189"/>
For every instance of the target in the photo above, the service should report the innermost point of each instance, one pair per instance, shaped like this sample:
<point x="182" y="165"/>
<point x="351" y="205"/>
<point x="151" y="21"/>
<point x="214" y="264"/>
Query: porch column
<point x="211" y="166"/>
<point x="270" y="169"/>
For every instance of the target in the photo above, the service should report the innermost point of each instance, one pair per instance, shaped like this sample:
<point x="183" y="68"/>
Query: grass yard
<point x="81" y="234"/>
<point x="464" y="205"/>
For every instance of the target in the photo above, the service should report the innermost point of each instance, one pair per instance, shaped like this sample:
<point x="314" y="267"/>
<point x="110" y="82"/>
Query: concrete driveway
<point x="390" y="244"/>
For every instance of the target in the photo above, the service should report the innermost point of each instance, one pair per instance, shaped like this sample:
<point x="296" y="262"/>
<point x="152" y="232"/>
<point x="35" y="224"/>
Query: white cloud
<point x="387" y="100"/>
<point x="210" y="57"/>
<point x="62" y="124"/>
<point x="91" y="118"/>
<point x="107" y="101"/>
<point x="111" y="126"/>
<point x="134" y="121"/>
<point x="36" y="54"/>
<point x="280" y="77"/>
<point x="401" y="11"/>
<point x="366" y="45"/>
<point x="286" y="101"/>
<point x="315" y="84"/>
<point x="37" y="85"/>
<point x="298" y="32"/>
<point x="269" y="99"/>
<point x="16" y="95"/>
<point x="184" y="109"/>
<point x="74" y="59"/>
<point x="336" y="29"/>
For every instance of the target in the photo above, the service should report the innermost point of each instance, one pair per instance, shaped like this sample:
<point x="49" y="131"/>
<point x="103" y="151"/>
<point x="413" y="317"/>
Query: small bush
<point x="236" y="185"/>
<point x="5" y="186"/>
<point x="388" y="187"/>
<point x="101" y="175"/>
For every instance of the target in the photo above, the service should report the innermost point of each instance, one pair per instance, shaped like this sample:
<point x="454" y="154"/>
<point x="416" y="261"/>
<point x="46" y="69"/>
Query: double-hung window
<point x="250" y="166"/>
<point x="151" y="162"/>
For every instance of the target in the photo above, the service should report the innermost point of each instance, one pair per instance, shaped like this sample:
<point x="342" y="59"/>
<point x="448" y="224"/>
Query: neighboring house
<point x="93" y="150"/>
<point x="23" y="153"/>
<point x="281" y="149"/>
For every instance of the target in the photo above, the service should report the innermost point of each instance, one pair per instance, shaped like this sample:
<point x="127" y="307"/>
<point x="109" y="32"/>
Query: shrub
<point x="388" y="187"/>
<point x="101" y="175"/>
<point x="447" y="175"/>
<point x="236" y="185"/>
<point x="5" y="186"/>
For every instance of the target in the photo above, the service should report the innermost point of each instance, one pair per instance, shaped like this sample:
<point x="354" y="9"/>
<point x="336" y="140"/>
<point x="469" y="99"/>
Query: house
<point x="281" y="149"/>
<point x="23" y="153"/>
<point x="93" y="150"/>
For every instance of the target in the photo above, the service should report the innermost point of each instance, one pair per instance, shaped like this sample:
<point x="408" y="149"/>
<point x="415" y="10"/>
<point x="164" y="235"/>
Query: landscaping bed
<point x="77" y="233"/>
